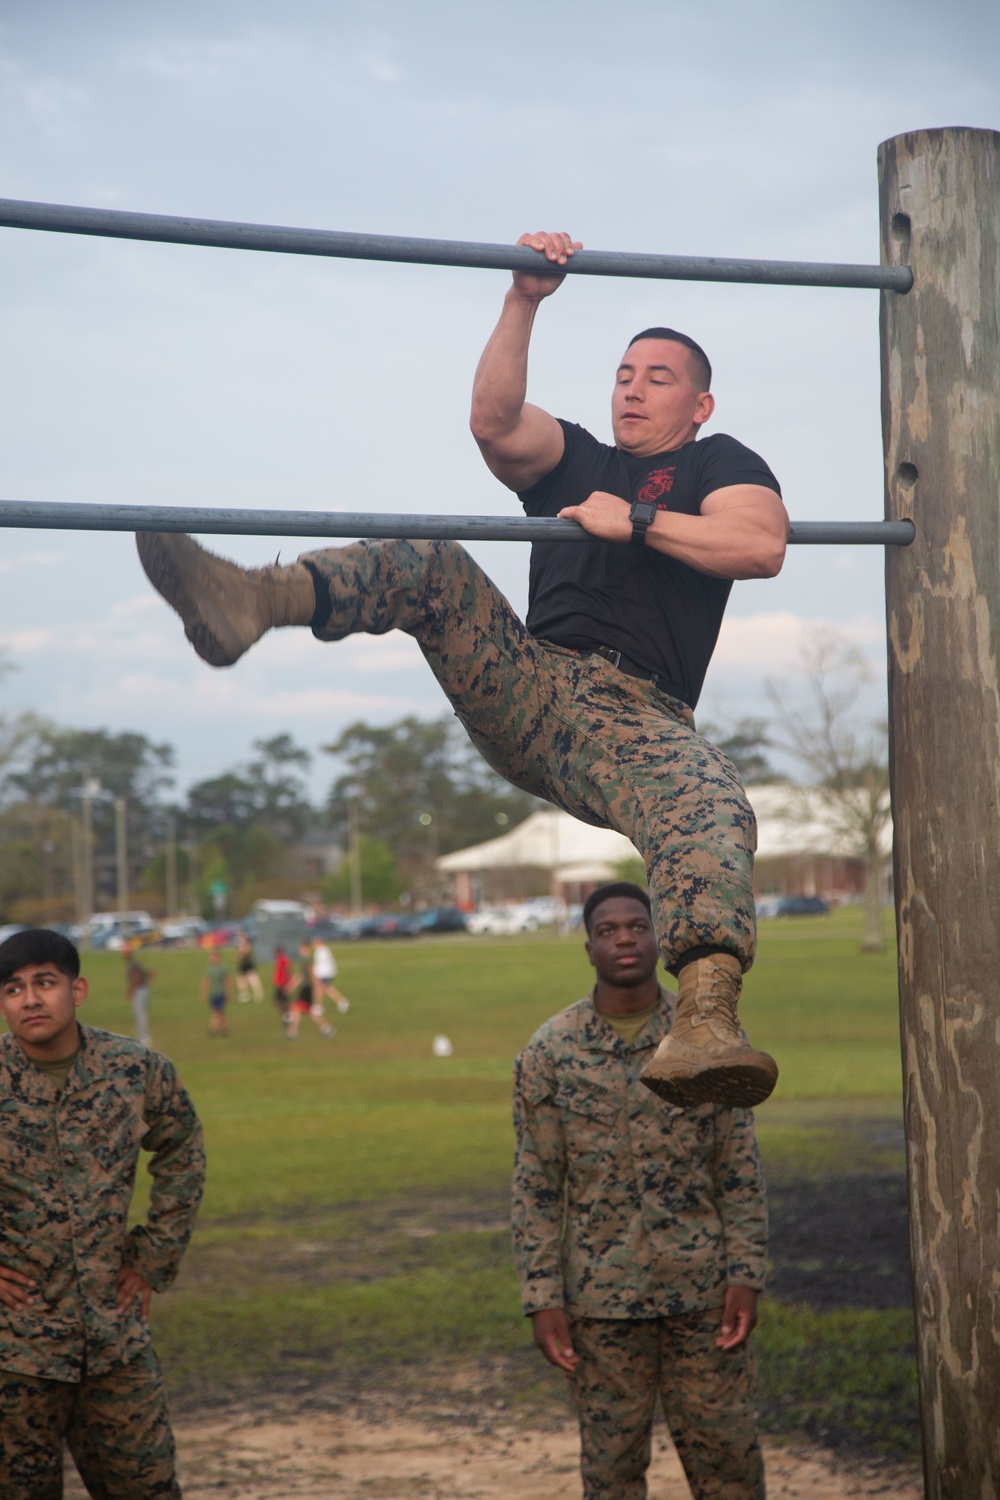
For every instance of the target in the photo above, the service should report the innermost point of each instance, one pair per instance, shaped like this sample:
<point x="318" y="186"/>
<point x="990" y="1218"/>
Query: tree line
<point x="401" y="795"/>
<point x="69" y="798"/>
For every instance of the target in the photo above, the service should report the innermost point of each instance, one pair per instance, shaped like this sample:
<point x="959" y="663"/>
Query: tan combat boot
<point x="704" y="1059"/>
<point x="224" y="607"/>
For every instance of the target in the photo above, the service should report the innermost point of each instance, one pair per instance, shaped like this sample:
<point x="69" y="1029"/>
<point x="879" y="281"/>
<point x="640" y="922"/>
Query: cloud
<point x="382" y="70"/>
<point x="40" y="104"/>
<point x="773" y="642"/>
<point x="202" y="64"/>
<point x="28" y="642"/>
<point x="31" y="560"/>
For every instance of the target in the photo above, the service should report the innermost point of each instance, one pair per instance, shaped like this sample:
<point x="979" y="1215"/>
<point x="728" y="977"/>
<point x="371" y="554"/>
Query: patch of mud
<point x="841" y="1242"/>
<point x="835" y="1241"/>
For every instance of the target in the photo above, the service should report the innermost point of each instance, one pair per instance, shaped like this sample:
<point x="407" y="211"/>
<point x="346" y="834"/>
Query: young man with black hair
<point x="590" y="703"/>
<point x="76" y="1362"/>
<point x="640" y="1234"/>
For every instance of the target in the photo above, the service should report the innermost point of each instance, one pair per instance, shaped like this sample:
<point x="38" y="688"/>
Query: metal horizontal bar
<point x="853" y="533"/>
<point x="61" y="218"/>
<point x="62" y="516"/>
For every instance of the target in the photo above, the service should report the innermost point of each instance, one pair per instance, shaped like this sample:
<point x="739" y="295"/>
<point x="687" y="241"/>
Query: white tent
<point x="790" y="821"/>
<point x="548" y="840"/>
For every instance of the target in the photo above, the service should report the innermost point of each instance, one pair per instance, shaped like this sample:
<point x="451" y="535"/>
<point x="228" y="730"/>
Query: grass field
<point x="354" y="1233"/>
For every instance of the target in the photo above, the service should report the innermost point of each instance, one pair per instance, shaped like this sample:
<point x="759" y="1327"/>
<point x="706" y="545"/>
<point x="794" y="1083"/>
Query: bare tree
<point x="845" y="757"/>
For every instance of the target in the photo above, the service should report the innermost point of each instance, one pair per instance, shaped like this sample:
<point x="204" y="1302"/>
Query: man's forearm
<point x="730" y="544"/>
<point x="741" y="539"/>
<point x="500" y="387"/>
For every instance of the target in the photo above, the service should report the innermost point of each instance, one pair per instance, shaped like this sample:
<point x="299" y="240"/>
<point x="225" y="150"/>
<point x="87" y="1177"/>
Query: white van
<point x="111" y="929"/>
<point x="276" y="924"/>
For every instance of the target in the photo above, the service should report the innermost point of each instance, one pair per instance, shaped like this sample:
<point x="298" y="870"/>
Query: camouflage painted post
<point x="940" y="211"/>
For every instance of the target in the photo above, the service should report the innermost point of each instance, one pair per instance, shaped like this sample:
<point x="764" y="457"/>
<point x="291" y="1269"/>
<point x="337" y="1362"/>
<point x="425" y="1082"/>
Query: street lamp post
<point x="121" y="851"/>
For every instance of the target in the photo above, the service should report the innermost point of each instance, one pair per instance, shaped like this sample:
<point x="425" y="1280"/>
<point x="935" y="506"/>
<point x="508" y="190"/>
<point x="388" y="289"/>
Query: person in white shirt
<point x="324" y="971"/>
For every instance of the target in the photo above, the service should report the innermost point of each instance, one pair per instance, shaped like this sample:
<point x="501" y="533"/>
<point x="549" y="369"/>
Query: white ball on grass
<point x="441" y="1046"/>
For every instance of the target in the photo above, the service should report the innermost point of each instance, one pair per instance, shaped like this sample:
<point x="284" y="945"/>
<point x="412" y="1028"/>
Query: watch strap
<point x="642" y="514"/>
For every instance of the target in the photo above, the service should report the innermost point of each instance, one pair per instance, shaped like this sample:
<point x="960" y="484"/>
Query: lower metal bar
<point x="115" y="223"/>
<point x="60" y="516"/>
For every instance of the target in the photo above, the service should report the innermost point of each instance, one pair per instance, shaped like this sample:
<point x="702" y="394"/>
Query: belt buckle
<point x="614" y="657"/>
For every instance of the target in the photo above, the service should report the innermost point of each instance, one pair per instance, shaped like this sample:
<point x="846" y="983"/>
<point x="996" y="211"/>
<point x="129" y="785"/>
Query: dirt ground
<point x="842" y="1242"/>
<point x="327" y="1456"/>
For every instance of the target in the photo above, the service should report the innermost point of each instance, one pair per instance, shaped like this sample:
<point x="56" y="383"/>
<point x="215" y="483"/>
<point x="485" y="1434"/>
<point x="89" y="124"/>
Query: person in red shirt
<point x="281" y="979"/>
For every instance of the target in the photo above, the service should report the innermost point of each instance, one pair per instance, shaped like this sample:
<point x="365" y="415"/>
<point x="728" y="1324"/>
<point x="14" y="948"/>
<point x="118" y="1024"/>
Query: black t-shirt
<point x="658" y="612"/>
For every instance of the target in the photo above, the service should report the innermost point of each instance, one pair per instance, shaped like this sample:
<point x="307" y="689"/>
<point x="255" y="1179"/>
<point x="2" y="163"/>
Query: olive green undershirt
<point x="59" y="1070"/>
<point x="627" y="1027"/>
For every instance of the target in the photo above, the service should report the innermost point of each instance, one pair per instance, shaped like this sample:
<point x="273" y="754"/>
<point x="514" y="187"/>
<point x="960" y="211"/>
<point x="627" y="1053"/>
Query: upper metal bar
<point x="62" y="516"/>
<point x="61" y="218"/>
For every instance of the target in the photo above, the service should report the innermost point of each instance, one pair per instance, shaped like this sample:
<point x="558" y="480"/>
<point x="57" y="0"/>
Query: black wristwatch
<point x="642" y="515"/>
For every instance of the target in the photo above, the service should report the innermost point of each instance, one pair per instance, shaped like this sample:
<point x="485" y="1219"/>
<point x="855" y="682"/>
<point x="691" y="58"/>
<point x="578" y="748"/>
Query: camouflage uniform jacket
<point x="624" y="1206"/>
<point x="67" y="1170"/>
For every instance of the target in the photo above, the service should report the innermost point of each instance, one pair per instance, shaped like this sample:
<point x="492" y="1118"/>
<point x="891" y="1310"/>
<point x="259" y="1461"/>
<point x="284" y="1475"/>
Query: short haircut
<point x="37" y="946"/>
<point x="698" y="364"/>
<point x="608" y="893"/>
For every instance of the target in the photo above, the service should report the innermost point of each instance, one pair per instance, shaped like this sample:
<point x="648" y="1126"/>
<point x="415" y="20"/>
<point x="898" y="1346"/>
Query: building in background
<point x="802" y="848"/>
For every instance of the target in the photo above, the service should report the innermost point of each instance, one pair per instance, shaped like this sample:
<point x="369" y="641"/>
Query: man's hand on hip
<point x="130" y="1286"/>
<point x="551" y="1331"/>
<point x="739" y="1317"/>
<point x="557" y="248"/>
<point x="602" y="515"/>
<point x="15" y="1289"/>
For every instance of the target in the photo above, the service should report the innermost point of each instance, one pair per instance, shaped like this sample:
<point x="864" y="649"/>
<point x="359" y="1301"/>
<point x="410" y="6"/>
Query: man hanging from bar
<point x="590" y="703"/>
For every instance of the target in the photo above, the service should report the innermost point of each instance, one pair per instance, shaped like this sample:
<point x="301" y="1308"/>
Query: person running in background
<point x="324" y="971"/>
<point x="306" y="1002"/>
<point x="217" y="990"/>
<point x="247" y="979"/>
<point x="282" y="980"/>
<point x="137" y="982"/>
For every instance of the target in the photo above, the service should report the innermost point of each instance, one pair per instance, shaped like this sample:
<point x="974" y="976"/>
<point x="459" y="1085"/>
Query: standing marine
<point x="640" y="1234"/>
<point x="77" y="1107"/>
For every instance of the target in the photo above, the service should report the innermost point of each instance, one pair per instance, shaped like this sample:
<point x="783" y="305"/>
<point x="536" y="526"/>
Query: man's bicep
<point x="765" y="505"/>
<point x="530" y="450"/>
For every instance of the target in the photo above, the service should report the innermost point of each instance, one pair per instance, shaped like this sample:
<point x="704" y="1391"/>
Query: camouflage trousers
<point x="115" y="1425"/>
<point x="611" y="749"/>
<point x="707" y="1398"/>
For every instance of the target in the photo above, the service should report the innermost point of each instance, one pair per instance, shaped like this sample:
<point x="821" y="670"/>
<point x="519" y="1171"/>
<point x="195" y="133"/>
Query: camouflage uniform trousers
<point x="115" y="1425"/>
<point x="611" y="749"/>
<point x="707" y="1397"/>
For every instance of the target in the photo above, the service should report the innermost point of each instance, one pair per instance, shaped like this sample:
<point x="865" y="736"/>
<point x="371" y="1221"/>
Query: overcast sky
<point x="151" y="373"/>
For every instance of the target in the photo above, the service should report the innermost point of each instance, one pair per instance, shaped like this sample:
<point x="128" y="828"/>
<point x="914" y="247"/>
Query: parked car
<point x="802" y="906"/>
<point x="10" y="929"/>
<point x="113" y="929"/>
<point x="182" y="930"/>
<point x="502" y="921"/>
<point x="443" y="919"/>
<point x="335" y="929"/>
<point x="222" y="935"/>
<point x="391" y="924"/>
<point x="546" y="910"/>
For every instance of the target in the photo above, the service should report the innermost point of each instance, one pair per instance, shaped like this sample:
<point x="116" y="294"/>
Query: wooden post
<point x="940" y="211"/>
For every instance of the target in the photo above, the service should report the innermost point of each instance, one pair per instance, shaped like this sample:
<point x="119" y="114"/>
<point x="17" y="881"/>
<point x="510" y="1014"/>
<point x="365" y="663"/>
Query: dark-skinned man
<point x="590" y="703"/>
<point x="640" y="1234"/>
<point x="76" y="1361"/>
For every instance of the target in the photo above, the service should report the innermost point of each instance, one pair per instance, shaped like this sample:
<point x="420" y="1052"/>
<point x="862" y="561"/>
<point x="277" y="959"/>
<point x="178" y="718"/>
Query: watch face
<point x="643" y="511"/>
